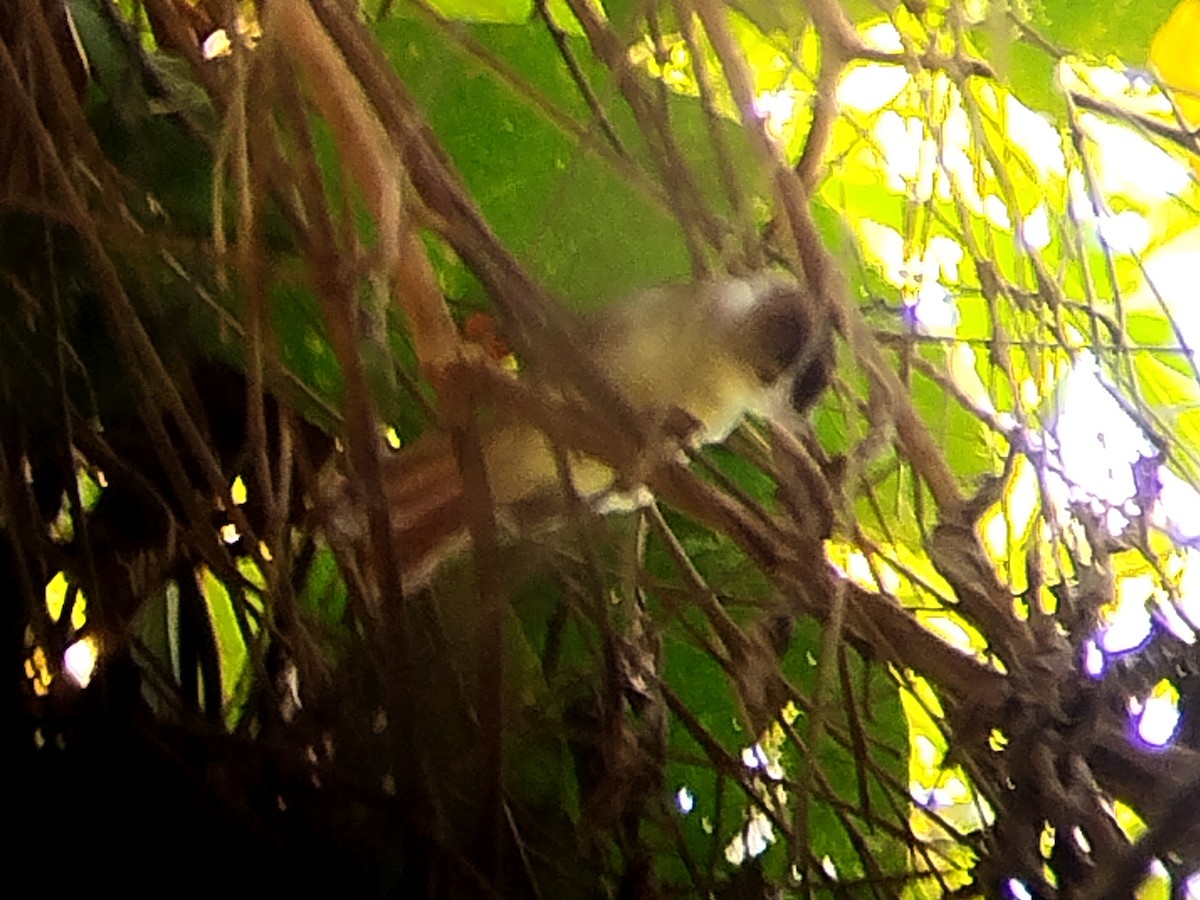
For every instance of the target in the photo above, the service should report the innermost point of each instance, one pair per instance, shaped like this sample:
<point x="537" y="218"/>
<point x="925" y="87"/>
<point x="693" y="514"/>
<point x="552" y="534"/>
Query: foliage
<point x="874" y="653"/>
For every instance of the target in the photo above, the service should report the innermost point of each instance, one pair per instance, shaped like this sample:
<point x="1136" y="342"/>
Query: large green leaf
<point x="1120" y="30"/>
<point x="583" y="226"/>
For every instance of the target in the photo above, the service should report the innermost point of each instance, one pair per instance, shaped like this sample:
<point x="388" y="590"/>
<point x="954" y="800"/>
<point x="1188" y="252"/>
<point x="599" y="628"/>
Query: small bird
<point x="713" y="351"/>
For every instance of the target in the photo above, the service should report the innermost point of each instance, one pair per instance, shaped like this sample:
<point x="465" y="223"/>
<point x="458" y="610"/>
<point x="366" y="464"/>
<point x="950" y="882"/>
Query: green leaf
<point x="231" y="646"/>
<point x="495" y="11"/>
<point x="1121" y="28"/>
<point x="324" y="594"/>
<point x="580" y="222"/>
<point x="879" y="711"/>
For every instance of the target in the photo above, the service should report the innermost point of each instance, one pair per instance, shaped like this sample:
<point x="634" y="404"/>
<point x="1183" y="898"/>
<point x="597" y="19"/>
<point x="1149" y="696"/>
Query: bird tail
<point x="424" y="494"/>
<point x="426" y="504"/>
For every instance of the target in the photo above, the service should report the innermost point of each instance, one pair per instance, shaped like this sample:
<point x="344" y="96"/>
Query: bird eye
<point x="810" y="383"/>
<point x="779" y="329"/>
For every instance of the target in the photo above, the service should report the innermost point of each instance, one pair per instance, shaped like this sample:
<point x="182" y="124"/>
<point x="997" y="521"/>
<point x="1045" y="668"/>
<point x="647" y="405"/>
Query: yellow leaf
<point x="1175" y="55"/>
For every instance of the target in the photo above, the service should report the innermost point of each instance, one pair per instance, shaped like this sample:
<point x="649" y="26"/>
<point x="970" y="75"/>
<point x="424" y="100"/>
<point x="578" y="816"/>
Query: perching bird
<point x="714" y="351"/>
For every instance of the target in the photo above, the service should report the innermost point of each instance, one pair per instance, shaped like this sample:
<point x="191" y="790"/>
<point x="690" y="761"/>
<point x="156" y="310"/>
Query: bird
<point x="708" y="353"/>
